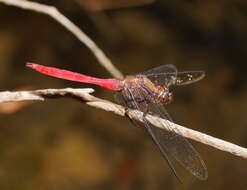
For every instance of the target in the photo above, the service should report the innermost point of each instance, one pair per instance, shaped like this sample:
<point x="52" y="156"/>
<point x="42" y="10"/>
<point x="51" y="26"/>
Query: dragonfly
<point x="149" y="92"/>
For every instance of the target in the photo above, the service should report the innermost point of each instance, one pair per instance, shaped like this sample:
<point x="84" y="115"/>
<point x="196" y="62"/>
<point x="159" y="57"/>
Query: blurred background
<point x="63" y="144"/>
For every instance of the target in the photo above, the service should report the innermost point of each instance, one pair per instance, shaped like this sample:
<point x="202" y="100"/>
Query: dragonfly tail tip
<point x="31" y="65"/>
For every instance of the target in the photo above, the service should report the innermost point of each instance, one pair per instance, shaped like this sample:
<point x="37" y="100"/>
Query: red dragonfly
<point x="148" y="92"/>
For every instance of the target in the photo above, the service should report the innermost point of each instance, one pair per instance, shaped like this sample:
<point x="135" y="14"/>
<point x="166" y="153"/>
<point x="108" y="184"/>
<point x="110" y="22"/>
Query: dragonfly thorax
<point x="141" y="88"/>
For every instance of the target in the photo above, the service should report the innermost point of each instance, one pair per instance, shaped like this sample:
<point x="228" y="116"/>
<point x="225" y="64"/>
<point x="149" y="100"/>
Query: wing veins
<point x="153" y="137"/>
<point x="192" y="160"/>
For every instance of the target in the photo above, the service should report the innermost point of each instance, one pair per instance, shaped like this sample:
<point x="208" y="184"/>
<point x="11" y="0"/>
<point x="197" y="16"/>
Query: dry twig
<point x="84" y="96"/>
<point x="64" y="21"/>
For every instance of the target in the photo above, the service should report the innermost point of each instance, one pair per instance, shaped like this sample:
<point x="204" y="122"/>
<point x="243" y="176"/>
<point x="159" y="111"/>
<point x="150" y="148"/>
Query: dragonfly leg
<point x="129" y="102"/>
<point x="126" y="113"/>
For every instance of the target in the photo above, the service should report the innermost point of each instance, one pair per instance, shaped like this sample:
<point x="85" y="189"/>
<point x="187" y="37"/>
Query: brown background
<point x="63" y="144"/>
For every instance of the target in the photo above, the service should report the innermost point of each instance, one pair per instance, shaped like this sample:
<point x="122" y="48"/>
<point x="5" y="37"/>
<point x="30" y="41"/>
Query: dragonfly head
<point x="165" y="96"/>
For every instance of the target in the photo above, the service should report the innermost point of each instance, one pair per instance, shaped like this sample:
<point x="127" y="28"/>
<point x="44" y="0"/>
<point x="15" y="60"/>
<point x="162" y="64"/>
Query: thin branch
<point x="84" y="96"/>
<point x="64" y="21"/>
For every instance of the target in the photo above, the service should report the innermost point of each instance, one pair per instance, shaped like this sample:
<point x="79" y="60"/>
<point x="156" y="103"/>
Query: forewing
<point x="162" y="75"/>
<point x="188" y="77"/>
<point x="167" y="75"/>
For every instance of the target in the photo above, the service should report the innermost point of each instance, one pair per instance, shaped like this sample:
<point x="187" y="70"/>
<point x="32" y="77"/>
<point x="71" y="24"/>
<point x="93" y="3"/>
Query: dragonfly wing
<point x="125" y="100"/>
<point x="188" y="77"/>
<point x="162" y="75"/>
<point x="167" y="141"/>
<point x="177" y="145"/>
<point x="167" y="75"/>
